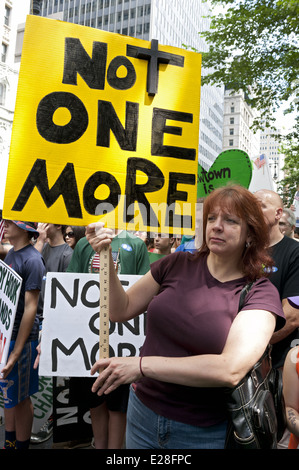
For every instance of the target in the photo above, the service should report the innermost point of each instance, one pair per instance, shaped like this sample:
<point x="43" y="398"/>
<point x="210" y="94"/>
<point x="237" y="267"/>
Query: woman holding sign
<point x="195" y="344"/>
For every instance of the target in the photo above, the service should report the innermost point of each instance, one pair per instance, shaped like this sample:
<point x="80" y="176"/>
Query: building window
<point x="232" y="109"/>
<point x="232" y="121"/>
<point x="2" y="94"/>
<point x="3" y="52"/>
<point x="231" y="142"/>
<point x="231" y="132"/>
<point x="7" y="15"/>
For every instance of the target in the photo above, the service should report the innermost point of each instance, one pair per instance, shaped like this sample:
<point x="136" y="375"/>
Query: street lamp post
<point x="275" y="168"/>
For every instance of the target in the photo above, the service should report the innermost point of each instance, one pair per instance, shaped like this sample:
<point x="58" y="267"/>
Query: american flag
<point x="260" y="161"/>
<point x="95" y="262"/>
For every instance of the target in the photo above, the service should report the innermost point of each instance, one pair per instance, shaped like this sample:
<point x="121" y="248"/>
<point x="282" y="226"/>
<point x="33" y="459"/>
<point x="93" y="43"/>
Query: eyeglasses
<point x="69" y="234"/>
<point x="284" y="224"/>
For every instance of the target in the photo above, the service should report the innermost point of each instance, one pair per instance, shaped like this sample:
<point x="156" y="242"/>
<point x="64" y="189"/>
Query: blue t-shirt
<point x="29" y="264"/>
<point x="188" y="245"/>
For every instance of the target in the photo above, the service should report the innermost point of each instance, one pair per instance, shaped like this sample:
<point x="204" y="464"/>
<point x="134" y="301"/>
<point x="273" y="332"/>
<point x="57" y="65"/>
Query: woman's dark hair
<point x="79" y="232"/>
<point x="238" y="200"/>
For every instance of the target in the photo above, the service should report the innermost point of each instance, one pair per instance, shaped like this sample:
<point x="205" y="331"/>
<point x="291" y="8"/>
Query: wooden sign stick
<point x="104" y="303"/>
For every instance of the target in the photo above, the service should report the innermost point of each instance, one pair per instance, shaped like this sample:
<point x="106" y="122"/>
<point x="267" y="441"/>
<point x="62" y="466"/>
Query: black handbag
<point x="256" y="407"/>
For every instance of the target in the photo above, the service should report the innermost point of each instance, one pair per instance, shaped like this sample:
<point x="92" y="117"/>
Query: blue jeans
<point x="147" y="430"/>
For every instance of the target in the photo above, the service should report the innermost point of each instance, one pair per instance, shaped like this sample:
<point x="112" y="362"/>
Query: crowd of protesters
<point x="195" y="343"/>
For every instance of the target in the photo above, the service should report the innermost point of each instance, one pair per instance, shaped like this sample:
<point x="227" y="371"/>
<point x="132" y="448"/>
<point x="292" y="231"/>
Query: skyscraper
<point x="172" y="22"/>
<point x="271" y="147"/>
<point x="238" y="119"/>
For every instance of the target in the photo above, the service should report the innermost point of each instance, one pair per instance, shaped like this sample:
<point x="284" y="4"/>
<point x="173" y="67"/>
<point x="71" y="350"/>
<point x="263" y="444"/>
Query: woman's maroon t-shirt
<point x="191" y="315"/>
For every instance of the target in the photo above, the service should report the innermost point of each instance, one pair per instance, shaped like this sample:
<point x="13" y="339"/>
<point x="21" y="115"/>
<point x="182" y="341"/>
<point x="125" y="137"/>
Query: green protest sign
<point x="231" y="166"/>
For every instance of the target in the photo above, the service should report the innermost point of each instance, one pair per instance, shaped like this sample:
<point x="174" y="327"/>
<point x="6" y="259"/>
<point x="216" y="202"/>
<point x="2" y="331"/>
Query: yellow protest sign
<point x="106" y="128"/>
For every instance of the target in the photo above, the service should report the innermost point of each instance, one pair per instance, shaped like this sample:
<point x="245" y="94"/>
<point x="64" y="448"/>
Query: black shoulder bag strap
<point x="243" y="294"/>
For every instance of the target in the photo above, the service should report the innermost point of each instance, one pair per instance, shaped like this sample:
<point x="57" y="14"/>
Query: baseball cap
<point x="28" y="226"/>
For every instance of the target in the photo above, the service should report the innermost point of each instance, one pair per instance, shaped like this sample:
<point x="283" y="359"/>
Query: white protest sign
<point x="70" y="334"/>
<point x="10" y="288"/>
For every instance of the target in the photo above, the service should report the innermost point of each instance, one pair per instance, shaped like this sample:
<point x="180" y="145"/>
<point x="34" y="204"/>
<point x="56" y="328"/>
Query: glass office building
<point x="172" y="22"/>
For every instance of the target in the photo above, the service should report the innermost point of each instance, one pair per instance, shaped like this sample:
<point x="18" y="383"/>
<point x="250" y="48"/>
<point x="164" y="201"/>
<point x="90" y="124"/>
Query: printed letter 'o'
<point x="61" y="134"/>
<point x="121" y="83"/>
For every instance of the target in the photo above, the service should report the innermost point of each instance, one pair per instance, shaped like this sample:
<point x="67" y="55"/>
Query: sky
<point x="285" y="122"/>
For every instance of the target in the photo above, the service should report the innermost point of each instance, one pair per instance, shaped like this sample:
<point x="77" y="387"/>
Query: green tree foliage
<point x="290" y="148"/>
<point x="254" y="46"/>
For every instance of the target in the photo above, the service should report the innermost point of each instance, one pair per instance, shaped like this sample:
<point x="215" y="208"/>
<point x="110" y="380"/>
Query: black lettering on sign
<point x="176" y="220"/>
<point x="77" y="61"/>
<point x="121" y="347"/>
<point x="95" y="329"/>
<point x="65" y="186"/>
<point x="84" y="299"/>
<point x="108" y="120"/>
<point x="56" y="285"/>
<point x="94" y="354"/>
<point x="71" y="131"/>
<point x="154" y="58"/>
<point x="57" y="345"/>
<point x="135" y="328"/>
<point x="121" y="83"/>
<point x="92" y="322"/>
<point x="136" y="192"/>
<point x="95" y="206"/>
<point x="159" y="128"/>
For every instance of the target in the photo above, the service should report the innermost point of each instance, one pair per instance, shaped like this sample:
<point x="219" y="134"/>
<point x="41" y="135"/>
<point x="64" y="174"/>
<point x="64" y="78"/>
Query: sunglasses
<point x="69" y="234"/>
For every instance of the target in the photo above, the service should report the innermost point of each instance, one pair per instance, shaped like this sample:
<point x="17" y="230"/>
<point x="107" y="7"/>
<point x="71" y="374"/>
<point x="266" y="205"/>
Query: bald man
<point x="284" y="275"/>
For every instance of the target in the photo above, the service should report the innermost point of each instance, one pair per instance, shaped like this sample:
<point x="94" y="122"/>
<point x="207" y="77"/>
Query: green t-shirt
<point x="154" y="256"/>
<point x="128" y="252"/>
